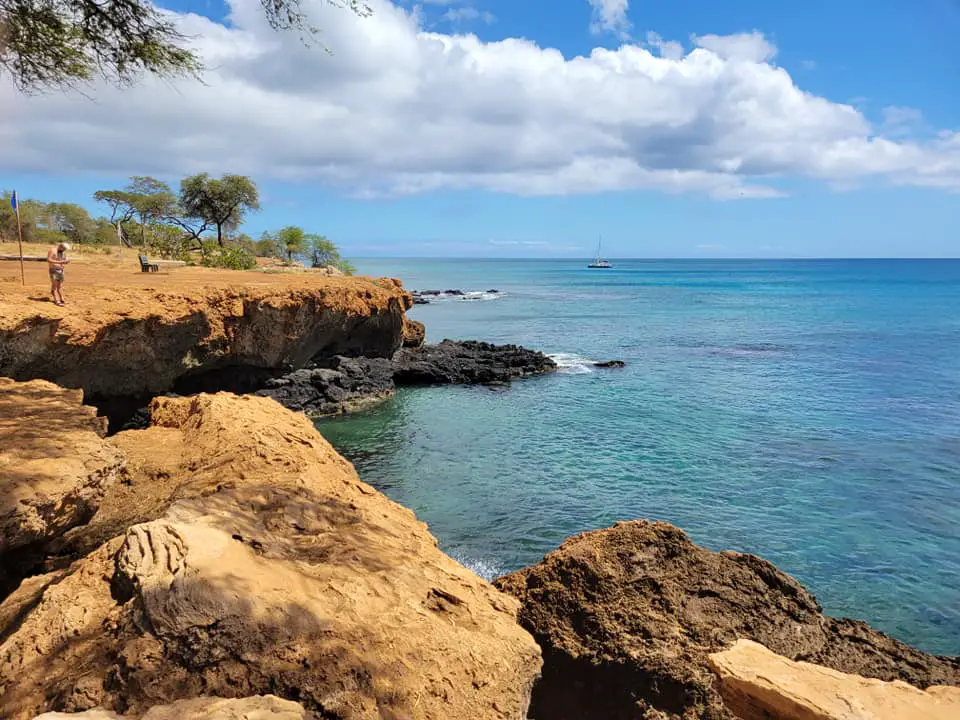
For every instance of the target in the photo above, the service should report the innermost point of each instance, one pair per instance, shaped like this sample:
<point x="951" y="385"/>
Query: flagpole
<point x="16" y="206"/>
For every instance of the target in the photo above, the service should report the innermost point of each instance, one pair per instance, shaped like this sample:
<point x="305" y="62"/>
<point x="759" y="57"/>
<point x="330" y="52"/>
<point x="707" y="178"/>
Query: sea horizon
<point x="656" y="259"/>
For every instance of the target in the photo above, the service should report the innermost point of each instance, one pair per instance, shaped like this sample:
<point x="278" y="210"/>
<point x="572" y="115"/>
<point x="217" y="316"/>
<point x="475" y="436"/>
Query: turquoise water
<point x="808" y="412"/>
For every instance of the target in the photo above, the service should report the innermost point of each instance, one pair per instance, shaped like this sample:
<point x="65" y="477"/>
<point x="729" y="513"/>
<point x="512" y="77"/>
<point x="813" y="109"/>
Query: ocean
<point x="804" y="411"/>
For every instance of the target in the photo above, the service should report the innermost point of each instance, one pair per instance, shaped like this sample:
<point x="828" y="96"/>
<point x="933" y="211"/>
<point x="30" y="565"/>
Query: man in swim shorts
<point x="56" y="259"/>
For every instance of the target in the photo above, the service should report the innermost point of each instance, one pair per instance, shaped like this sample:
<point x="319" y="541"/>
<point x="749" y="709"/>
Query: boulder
<point x="467" y="362"/>
<point x="757" y="684"/>
<point x="261" y="565"/>
<point x="610" y="364"/>
<point x="258" y="707"/>
<point x="627" y="616"/>
<point x="55" y="467"/>
<point x="414" y="333"/>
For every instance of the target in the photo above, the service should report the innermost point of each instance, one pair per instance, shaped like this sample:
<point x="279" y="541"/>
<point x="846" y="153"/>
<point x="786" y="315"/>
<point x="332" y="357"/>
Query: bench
<point x="146" y="265"/>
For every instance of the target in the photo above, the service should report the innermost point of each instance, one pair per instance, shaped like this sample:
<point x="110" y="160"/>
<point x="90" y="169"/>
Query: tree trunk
<point x="220" y="234"/>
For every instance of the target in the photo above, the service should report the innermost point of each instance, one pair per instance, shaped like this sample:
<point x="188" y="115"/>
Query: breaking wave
<point x="572" y="364"/>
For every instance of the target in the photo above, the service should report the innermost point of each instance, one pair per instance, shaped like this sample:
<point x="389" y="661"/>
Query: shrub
<point x="232" y="258"/>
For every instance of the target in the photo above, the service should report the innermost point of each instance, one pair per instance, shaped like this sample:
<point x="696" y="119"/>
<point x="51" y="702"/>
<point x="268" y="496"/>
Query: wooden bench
<point x="146" y="265"/>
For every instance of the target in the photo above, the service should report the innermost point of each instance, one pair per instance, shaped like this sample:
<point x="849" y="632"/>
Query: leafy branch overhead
<point x="62" y="43"/>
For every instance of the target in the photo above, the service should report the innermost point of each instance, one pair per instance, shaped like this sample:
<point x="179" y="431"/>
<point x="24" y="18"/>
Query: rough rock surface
<point x="55" y="467"/>
<point x="451" y="362"/>
<point x="627" y="616"/>
<point x="122" y="341"/>
<point x="259" y="564"/>
<point x="258" y="707"/>
<point x="414" y="333"/>
<point x="349" y="384"/>
<point x="757" y="684"/>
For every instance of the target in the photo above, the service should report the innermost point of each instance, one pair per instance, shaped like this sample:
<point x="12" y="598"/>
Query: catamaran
<point x="599" y="262"/>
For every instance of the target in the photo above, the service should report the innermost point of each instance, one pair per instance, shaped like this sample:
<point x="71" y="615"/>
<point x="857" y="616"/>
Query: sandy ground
<point x="94" y="279"/>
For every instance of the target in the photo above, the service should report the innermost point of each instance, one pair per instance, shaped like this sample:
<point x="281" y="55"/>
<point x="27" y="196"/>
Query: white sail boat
<point x="599" y="262"/>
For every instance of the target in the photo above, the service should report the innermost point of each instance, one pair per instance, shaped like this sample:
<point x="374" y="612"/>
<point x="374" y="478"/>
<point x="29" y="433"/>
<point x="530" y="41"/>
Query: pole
<point x="16" y="203"/>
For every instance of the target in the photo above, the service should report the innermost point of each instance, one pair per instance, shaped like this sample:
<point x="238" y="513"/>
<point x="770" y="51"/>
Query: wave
<point x="572" y="364"/>
<point x="461" y="295"/>
<point x="487" y="569"/>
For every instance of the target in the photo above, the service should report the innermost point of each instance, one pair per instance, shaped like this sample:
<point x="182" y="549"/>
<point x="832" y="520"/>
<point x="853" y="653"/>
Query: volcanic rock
<point x="348" y="385"/>
<point x="757" y="684"/>
<point x="344" y="385"/>
<point x="468" y="362"/>
<point x="55" y="467"/>
<point x="247" y="558"/>
<point x="627" y="616"/>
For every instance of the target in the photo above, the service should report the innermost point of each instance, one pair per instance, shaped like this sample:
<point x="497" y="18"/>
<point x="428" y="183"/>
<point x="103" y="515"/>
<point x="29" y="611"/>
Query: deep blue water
<point x="805" y="411"/>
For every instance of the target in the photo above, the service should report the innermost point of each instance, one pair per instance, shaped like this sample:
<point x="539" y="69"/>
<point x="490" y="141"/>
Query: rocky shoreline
<point x="221" y="560"/>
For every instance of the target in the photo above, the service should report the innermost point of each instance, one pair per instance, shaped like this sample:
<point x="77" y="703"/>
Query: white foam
<point x="473" y="295"/>
<point x="486" y="569"/>
<point x="469" y="295"/>
<point x="572" y="364"/>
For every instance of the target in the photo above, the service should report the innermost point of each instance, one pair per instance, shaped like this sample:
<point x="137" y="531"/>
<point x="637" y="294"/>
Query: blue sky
<point x="894" y="62"/>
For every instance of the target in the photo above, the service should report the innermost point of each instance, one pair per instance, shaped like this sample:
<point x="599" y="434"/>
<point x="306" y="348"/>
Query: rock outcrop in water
<point x="242" y="556"/>
<point x="348" y="384"/>
<point x="345" y="385"/>
<point x="468" y="362"/>
<point x="626" y="618"/>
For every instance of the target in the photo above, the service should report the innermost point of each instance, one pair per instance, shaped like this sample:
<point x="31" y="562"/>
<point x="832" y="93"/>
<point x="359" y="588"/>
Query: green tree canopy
<point x="72" y="221"/>
<point x="221" y="203"/>
<point x="144" y="198"/>
<point x="292" y="241"/>
<point x="322" y="251"/>
<point x="57" y="43"/>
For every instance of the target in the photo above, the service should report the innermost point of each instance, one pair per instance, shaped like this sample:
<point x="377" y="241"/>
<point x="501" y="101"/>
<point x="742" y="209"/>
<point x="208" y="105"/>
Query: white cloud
<point x="747" y="47"/>
<point x="610" y="16"/>
<point x="467" y="14"/>
<point x="396" y="110"/>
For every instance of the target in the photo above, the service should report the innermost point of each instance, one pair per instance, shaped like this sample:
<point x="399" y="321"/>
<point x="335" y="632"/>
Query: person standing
<point x="56" y="259"/>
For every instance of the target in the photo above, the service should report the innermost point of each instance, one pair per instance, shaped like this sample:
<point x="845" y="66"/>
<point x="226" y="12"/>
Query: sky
<point x="529" y="128"/>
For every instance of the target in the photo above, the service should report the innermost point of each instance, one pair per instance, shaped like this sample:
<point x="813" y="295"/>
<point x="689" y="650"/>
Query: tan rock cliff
<point x="55" y="466"/>
<point x="139" y="338"/>
<point x="245" y="557"/>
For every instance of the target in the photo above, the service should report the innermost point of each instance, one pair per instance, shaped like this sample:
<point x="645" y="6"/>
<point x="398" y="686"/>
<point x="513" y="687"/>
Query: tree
<point x="324" y="253"/>
<point x="61" y="43"/>
<point x="221" y="203"/>
<point x="291" y="240"/>
<point x="150" y="200"/>
<point x="266" y="246"/>
<point x="144" y="198"/>
<point x="72" y="221"/>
